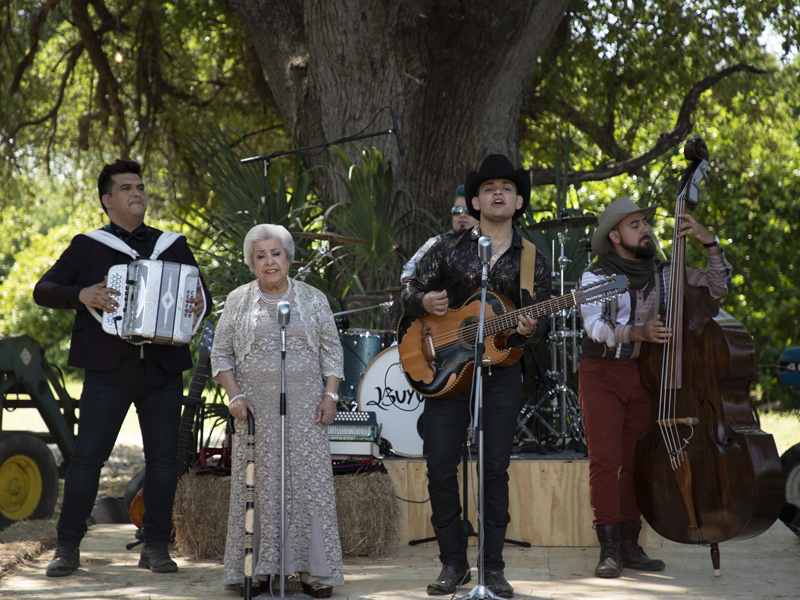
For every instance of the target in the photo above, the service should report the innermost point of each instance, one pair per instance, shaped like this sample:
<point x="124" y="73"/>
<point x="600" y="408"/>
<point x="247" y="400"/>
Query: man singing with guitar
<point x="446" y="277"/>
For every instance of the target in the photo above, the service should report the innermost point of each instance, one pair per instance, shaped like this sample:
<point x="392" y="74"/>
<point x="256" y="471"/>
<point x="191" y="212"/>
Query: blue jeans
<point x="102" y="411"/>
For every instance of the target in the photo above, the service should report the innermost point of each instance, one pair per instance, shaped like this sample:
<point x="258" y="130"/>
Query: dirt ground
<point x="25" y="541"/>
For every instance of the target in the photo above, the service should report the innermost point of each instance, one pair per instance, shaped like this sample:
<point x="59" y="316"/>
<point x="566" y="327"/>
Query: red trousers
<point x="617" y="412"/>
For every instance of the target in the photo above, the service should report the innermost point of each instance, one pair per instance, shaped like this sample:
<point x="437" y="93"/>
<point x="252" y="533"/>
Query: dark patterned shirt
<point x="453" y="264"/>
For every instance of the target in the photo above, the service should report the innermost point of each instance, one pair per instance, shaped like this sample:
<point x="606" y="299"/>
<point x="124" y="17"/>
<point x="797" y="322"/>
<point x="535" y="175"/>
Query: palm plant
<point x="372" y="213"/>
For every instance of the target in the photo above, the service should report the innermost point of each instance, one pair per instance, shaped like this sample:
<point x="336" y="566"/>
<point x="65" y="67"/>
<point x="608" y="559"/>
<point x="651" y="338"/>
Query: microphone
<point x="485" y="248"/>
<point x="397" y="134"/>
<point x="283" y="314"/>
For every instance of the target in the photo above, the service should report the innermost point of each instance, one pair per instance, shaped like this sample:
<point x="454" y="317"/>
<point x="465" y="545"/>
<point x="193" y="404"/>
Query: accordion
<point x="354" y="435"/>
<point x="153" y="307"/>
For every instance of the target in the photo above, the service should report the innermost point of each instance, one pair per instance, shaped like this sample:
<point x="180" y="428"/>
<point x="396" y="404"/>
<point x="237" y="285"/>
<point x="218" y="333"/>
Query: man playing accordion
<point x="118" y="373"/>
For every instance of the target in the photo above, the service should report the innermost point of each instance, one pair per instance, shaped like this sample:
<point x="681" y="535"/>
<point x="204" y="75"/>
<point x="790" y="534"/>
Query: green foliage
<point x="235" y="205"/>
<point x="18" y="312"/>
<point x="371" y="214"/>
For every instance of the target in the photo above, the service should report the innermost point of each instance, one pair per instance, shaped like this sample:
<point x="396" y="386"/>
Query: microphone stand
<point x="283" y="321"/>
<point x="267" y="158"/>
<point x="480" y="590"/>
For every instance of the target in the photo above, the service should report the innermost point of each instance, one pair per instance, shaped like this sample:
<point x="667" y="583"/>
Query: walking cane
<point x="249" y="500"/>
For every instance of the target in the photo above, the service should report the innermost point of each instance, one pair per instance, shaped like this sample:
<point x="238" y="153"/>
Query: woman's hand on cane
<point x="238" y="407"/>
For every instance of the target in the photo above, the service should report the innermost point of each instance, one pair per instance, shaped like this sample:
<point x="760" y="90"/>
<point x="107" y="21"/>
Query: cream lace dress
<point x="247" y="340"/>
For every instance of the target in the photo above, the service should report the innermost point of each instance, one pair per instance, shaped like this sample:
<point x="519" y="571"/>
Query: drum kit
<point x="550" y="418"/>
<point x="373" y="379"/>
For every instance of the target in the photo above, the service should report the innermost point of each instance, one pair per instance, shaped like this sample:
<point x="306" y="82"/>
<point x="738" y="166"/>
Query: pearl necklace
<point x="495" y="255"/>
<point x="281" y="299"/>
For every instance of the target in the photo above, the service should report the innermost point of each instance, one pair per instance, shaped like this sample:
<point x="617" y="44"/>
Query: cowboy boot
<point x="633" y="557"/>
<point x="494" y="538"/>
<point x="453" y="554"/>
<point x="610" y="564"/>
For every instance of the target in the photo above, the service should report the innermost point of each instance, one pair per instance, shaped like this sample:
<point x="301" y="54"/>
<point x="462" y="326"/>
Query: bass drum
<point x="360" y="346"/>
<point x="397" y="407"/>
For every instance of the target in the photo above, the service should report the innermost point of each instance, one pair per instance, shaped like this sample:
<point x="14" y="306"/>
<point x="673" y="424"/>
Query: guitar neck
<point x="199" y="379"/>
<point x="509" y="320"/>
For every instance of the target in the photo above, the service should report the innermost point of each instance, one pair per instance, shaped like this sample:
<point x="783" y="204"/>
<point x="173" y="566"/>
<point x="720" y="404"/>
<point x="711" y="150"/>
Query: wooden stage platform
<point x="548" y="502"/>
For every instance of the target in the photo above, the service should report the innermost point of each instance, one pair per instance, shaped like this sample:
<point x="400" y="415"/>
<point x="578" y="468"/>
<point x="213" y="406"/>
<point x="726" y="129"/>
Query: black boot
<point x="65" y="562"/>
<point x="449" y="579"/>
<point x="610" y="565"/>
<point x="498" y="584"/>
<point x="453" y="554"/>
<point x="633" y="557"/>
<point x="156" y="558"/>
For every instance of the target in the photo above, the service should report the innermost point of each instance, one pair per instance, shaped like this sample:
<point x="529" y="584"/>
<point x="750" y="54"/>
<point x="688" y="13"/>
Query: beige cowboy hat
<point x="610" y="218"/>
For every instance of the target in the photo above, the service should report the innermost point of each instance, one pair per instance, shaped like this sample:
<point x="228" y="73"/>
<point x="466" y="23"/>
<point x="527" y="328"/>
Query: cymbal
<point x="566" y="223"/>
<point x="327" y="237"/>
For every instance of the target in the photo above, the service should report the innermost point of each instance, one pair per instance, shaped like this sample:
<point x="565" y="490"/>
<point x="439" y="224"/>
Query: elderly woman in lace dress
<point x="245" y="360"/>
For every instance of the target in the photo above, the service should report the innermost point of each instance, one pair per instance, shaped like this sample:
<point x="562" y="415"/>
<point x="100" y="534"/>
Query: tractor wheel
<point x="790" y="461"/>
<point x="28" y="478"/>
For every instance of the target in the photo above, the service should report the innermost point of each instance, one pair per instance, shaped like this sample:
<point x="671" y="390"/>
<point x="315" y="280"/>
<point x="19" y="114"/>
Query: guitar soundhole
<point x="466" y="332"/>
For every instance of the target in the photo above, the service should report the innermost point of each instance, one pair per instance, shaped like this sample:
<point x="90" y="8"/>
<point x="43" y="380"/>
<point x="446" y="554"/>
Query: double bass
<point x="706" y="473"/>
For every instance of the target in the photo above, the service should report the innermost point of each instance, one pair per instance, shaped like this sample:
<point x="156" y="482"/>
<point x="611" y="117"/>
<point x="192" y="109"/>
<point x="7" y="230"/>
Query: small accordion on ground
<point x="354" y="435"/>
<point x="153" y="302"/>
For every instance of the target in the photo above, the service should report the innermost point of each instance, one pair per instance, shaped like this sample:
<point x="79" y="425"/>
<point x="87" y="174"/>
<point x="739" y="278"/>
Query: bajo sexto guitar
<point x="437" y="353"/>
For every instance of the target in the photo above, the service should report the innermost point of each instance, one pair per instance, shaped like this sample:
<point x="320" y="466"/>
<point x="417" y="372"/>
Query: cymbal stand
<point x="559" y="333"/>
<point x="303" y="272"/>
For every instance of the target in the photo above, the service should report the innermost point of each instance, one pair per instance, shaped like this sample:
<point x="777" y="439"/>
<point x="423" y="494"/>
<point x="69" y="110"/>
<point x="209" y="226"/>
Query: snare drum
<point x="398" y="408"/>
<point x="360" y="346"/>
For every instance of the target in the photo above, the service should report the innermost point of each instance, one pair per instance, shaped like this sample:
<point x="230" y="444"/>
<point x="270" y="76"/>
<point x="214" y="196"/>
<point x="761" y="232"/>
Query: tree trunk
<point x="452" y="71"/>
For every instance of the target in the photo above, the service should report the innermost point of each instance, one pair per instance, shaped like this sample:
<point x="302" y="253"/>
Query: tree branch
<point x="664" y="142"/>
<point x="33" y="34"/>
<point x="92" y="41"/>
<point x="74" y="54"/>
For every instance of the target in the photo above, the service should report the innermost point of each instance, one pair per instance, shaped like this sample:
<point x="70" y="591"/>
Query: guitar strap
<point x="527" y="269"/>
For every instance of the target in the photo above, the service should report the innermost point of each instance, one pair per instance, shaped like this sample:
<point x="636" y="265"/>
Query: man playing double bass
<point x="446" y="276"/>
<point x="617" y="409"/>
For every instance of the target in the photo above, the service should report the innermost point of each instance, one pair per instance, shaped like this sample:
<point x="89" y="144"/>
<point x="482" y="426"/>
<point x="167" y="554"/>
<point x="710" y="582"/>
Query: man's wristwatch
<point x="333" y="395"/>
<point x="712" y="244"/>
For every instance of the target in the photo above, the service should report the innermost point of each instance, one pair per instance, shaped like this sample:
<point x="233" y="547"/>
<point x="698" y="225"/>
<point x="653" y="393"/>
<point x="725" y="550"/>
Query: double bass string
<point x="670" y="366"/>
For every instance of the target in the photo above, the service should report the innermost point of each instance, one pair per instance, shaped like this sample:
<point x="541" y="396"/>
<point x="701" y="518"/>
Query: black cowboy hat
<point x="497" y="166"/>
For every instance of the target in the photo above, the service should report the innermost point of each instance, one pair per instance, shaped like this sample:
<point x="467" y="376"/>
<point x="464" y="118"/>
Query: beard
<point x="643" y="251"/>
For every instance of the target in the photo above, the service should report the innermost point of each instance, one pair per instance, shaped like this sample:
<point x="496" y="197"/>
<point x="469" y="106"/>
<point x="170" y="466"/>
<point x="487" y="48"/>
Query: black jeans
<point x="102" y="410"/>
<point x="445" y="432"/>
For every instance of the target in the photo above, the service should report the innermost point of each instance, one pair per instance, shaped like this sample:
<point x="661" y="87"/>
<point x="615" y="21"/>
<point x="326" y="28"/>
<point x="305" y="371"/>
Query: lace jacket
<point x="235" y="332"/>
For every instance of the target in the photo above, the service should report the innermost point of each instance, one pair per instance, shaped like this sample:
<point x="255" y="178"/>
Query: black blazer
<point x="85" y="262"/>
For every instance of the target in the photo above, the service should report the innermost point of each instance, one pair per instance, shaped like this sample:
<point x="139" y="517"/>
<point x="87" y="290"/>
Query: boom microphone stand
<point x="267" y="158"/>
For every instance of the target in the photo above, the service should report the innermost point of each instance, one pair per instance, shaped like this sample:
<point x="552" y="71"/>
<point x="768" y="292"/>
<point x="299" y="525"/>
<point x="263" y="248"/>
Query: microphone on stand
<point x="284" y="308"/>
<point x="485" y="254"/>
<point x="397" y="134"/>
<point x="485" y="248"/>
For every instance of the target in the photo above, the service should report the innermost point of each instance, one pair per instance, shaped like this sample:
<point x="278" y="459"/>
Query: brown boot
<point x="610" y="565"/>
<point x="633" y="557"/>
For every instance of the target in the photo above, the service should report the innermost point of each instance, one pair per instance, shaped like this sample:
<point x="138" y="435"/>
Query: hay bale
<point x="367" y="511"/>
<point x="24" y="541"/>
<point x="200" y="515"/>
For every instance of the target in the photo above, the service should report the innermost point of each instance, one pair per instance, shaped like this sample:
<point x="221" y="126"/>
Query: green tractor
<point x="28" y="471"/>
